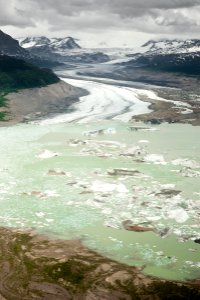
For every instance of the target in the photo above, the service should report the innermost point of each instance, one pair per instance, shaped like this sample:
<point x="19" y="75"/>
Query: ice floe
<point x="39" y="194"/>
<point x="188" y="172"/>
<point x="134" y="151"/>
<point x="179" y="215"/>
<point x="40" y="214"/>
<point x="100" y="132"/>
<point x="144" y="142"/>
<point x="155" y="158"/>
<point x="186" y="163"/>
<point x="47" y="154"/>
<point x="100" y="186"/>
<point x="168" y="186"/>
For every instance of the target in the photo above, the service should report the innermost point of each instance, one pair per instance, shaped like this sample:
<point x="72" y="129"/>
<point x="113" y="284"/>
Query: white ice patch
<point x="99" y="186"/>
<point x="134" y="151"/>
<point x="168" y="186"/>
<point x="155" y="158"/>
<point x="29" y="44"/>
<point x="40" y="214"/>
<point x="100" y="132"/>
<point x="49" y="220"/>
<point x="188" y="172"/>
<point x="4" y="191"/>
<point x="110" y="131"/>
<point x="153" y="218"/>
<point x="186" y="163"/>
<point x="186" y="111"/>
<point x="47" y="154"/>
<point x="144" y="142"/>
<point x="49" y="193"/>
<point x="179" y="215"/>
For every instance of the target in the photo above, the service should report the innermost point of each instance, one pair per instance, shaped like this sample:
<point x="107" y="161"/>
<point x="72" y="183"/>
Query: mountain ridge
<point x="59" y="44"/>
<point x="167" y="46"/>
<point x="11" y="47"/>
<point x="63" y="50"/>
<point x="175" y="56"/>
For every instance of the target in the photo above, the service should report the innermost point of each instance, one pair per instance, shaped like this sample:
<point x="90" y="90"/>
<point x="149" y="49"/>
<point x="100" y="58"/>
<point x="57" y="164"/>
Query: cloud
<point x="12" y="13"/>
<point x="172" y="17"/>
<point x="124" y="8"/>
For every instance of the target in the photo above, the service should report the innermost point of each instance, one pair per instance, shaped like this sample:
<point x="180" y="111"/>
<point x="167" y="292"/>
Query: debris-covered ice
<point x="186" y="163"/>
<point x="134" y="151"/>
<point x="188" y="172"/>
<point x="56" y="172"/>
<point x="100" y="132"/>
<point x="123" y="172"/>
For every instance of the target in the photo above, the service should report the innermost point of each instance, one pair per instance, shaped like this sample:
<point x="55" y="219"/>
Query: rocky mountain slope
<point x="172" y="63"/>
<point x="167" y="55"/>
<point x="39" y="91"/>
<point x="176" y="63"/>
<point x="11" y="47"/>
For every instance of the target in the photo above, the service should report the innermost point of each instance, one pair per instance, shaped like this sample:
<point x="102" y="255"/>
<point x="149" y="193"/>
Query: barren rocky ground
<point x="31" y="104"/>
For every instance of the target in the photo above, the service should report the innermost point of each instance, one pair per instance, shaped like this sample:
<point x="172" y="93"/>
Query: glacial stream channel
<point x="94" y="178"/>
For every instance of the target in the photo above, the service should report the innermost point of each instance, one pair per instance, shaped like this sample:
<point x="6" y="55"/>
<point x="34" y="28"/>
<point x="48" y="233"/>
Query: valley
<point x="99" y="181"/>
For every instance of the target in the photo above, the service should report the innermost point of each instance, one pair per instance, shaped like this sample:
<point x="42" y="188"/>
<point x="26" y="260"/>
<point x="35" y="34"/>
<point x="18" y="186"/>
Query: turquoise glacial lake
<point x="69" y="181"/>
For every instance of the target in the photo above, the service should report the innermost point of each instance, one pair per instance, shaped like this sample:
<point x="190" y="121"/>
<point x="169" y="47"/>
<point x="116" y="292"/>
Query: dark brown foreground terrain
<point x="35" y="267"/>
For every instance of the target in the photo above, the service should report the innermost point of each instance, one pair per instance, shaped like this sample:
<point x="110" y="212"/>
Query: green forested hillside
<point x="16" y="74"/>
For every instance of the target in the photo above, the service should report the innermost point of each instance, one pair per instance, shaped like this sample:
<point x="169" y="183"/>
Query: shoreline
<point x="34" y="266"/>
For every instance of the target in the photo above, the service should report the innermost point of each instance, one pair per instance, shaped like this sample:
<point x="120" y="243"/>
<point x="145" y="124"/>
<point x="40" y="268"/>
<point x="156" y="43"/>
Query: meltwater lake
<point x="96" y="180"/>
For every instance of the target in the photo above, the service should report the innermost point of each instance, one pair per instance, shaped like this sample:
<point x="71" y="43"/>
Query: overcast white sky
<point x="105" y="23"/>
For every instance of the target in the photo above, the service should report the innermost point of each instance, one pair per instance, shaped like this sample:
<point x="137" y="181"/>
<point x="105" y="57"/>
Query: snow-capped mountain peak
<point x="64" y="43"/>
<point x="53" y="44"/>
<point x="34" y="41"/>
<point x="165" y="46"/>
<point x="61" y="50"/>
